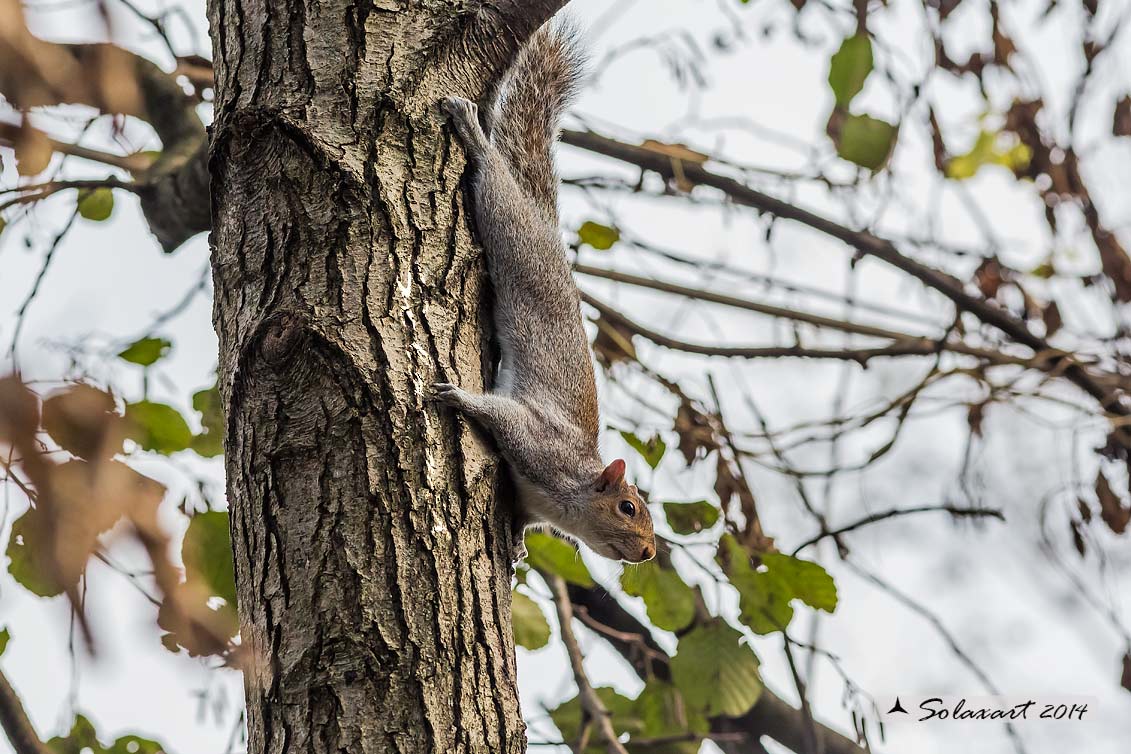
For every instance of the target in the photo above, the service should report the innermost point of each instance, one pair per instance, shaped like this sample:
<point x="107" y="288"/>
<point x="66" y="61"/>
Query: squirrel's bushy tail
<point x="534" y="93"/>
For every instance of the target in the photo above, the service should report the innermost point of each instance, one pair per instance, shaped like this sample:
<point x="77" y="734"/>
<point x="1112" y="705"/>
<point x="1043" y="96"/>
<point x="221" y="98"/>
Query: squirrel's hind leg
<point x="465" y="119"/>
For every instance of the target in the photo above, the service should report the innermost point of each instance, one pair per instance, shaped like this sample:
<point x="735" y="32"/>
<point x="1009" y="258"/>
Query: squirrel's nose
<point x="646" y="553"/>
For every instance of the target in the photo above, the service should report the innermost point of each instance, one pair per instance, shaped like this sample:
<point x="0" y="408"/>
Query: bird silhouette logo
<point x="897" y="707"/>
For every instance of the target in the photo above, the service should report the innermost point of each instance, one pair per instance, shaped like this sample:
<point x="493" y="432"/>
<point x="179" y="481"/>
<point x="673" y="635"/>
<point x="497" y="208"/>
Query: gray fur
<point x="543" y="409"/>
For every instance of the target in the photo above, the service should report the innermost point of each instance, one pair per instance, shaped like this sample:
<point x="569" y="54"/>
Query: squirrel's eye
<point x="627" y="508"/>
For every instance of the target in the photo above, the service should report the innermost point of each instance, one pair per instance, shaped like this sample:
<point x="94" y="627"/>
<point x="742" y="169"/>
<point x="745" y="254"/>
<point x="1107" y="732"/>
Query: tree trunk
<point x="372" y="561"/>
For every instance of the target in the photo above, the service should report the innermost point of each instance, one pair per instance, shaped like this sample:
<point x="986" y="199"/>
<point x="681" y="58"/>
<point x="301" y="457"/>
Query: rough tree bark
<point x="371" y="559"/>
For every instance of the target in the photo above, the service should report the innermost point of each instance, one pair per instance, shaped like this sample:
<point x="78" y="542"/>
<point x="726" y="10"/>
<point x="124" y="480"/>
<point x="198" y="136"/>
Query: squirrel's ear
<point x="612" y="475"/>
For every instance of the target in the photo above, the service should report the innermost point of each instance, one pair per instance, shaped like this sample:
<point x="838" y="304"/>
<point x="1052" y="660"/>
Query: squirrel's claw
<point x="447" y="393"/>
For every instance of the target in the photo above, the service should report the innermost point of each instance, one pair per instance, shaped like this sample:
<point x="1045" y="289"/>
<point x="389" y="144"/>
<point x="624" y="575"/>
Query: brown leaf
<point x="1121" y="122"/>
<point x="613" y="342"/>
<point x="1085" y="510"/>
<point x="1003" y="45"/>
<point x="1078" y="538"/>
<point x="975" y="415"/>
<point x="696" y="435"/>
<point x="1052" y="319"/>
<point x="679" y="154"/>
<point x="84" y="420"/>
<point x="1112" y="510"/>
<point x="676" y="151"/>
<point x="1125" y="680"/>
<point x="988" y="277"/>
<point x="33" y="151"/>
<point x="938" y="146"/>
<point x="19" y="411"/>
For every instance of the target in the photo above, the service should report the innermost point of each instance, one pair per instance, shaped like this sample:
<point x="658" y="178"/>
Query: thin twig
<point x="591" y="704"/>
<point x="953" y="510"/>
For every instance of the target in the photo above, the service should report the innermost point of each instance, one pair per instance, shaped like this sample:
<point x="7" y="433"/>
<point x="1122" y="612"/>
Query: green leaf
<point x="763" y="600"/>
<point x="715" y="673"/>
<point x="651" y="450"/>
<point x="567" y="718"/>
<point x="665" y="714"/>
<point x="84" y="739"/>
<point x="5" y="637"/>
<point x="849" y="67"/>
<point x="210" y="442"/>
<point x="25" y="552"/>
<point x="548" y="553"/>
<point x="531" y="629"/>
<point x="207" y="554"/>
<point x="691" y="518"/>
<point x="600" y="237"/>
<point x="989" y="149"/>
<point x="808" y="581"/>
<point x="669" y="601"/>
<point x="866" y="141"/>
<point x="96" y="204"/>
<point x="157" y="426"/>
<point x="146" y="351"/>
<point x="3" y="224"/>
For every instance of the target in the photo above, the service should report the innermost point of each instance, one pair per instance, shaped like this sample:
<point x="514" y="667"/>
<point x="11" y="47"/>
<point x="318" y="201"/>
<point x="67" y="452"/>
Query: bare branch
<point x="953" y="510"/>
<point x="912" y="346"/>
<point x="863" y="241"/>
<point x="15" y="722"/>
<point x="591" y="704"/>
<point x="907" y="340"/>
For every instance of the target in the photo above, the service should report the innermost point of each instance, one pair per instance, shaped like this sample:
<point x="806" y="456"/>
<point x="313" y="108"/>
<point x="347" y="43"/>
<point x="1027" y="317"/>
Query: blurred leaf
<point x="548" y="553"/>
<point x="808" y="581"/>
<point x="83" y="739"/>
<point x="651" y="450"/>
<point x="1125" y="680"/>
<point x="84" y="421"/>
<point x="5" y="637"/>
<point x="531" y="629"/>
<point x="849" y="67"/>
<point x="567" y="718"/>
<point x="680" y="152"/>
<point x="664" y="713"/>
<point x="26" y="549"/>
<point x="1121" y="121"/>
<point x="96" y="204"/>
<point x="865" y="141"/>
<point x="1112" y="510"/>
<point x="157" y="426"/>
<point x="207" y="554"/>
<point x="600" y="237"/>
<point x="3" y="224"/>
<point x="669" y="601"/>
<point x="989" y="148"/>
<point x="613" y="342"/>
<point x="146" y="351"/>
<point x="690" y="518"/>
<point x="716" y="674"/>
<point x="33" y="151"/>
<point x="210" y="442"/>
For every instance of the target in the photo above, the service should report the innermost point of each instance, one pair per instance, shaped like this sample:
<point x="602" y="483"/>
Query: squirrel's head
<point x="620" y="527"/>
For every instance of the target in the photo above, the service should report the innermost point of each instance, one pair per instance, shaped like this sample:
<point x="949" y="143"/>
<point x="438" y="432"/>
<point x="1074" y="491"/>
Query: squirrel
<point x="542" y="410"/>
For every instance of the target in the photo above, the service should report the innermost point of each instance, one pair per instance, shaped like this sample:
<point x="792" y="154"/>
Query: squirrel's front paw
<point x="460" y="108"/>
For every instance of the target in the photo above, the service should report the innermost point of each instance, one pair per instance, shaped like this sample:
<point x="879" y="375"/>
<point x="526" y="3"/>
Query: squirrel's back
<point x="533" y="95"/>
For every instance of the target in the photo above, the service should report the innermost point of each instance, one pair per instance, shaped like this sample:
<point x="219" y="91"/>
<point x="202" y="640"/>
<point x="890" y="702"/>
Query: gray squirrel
<point x="542" y="410"/>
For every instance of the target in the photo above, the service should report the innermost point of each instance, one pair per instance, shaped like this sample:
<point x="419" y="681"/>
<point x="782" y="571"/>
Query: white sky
<point x="992" y="586"/>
